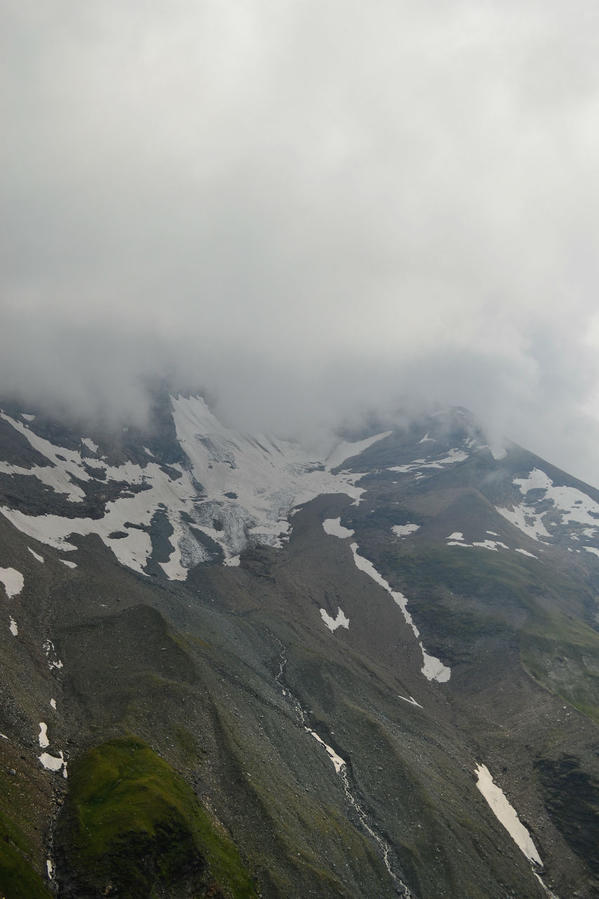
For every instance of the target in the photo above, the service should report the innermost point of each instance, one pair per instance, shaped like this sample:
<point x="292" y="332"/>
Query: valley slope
<point x="233" y="667"/>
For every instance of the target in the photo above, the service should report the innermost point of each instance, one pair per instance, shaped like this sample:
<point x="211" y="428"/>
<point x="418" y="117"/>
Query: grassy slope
<point x="131" y="821"/>
<point x="18" y="880"/>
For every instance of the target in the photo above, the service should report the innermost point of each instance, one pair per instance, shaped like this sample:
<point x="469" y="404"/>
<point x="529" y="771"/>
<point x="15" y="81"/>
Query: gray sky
<point x="306" y="207"/>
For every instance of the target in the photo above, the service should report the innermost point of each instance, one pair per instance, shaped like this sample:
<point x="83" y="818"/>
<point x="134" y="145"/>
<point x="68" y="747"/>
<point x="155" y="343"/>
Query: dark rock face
<point x="572" y="800"/>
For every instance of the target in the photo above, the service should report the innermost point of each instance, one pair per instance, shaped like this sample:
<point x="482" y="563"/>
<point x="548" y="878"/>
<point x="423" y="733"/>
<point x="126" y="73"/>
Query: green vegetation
<point x="131" y="824"/>
<point x="23" y="811"/>
<point x="18" y="880"/>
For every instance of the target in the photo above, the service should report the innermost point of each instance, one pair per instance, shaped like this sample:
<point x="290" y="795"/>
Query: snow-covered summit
<point x="231" y="489"/>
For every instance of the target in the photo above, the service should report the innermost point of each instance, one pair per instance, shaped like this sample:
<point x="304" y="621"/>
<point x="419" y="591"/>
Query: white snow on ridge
<point x="346" y="450"/>
<point x="432" y="668"/>
<point x="89" y="443"/>
<point x="573" y="505"/>
<point x="526" y="520"/>
<point x="334" y="528"/>
<point x="13" y="627"/>
<point x="57" y="474"/>
<point x="453" y="456"/>
<point x="235" y="488"/>
<point x="506" y="814"/>
<point x="251" y="483"/>
<point x="13" y="581"/>
<point x="333" y="623"/>
<point x="591" y="549"/>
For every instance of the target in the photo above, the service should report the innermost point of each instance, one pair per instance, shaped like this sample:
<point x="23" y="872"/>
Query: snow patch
<point x="53" y="704"/>
<point x="526" y="520"/>
<point x="591" y="549"/>
<point x="457" y="539"/>
<point x="13" y="581"/>
<point x="524" y="552"/>
<point x="404" y="530"/>
<point x="13" y="627"/>
<point x="453" y="456"/>
<point x="233" y="561"/>
<point x="337" y="761"/>
<point x="493" y="545"/>
<point x="334" y="623"/>
<point x="432" y="668"/>
<point x="334" y="528"/>
<point x="574" y="505"/>
<point x="68" y="563"/>
<point x="51" y="655"/>
<point x="506" y="814"/>
<point x="346" y="450"/>
<point x="54" y="763"/>
<point x="410" y="700"/>
<point x="43" y="735"/>
<point x="35" y="555"/>
<point x="89" y="444"/>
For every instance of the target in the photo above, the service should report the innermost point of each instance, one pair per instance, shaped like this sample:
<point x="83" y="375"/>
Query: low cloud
<point x="307" y="210"/>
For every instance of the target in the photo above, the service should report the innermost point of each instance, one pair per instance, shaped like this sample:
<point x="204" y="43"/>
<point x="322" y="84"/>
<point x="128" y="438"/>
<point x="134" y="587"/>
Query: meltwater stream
<point x="342" y="770"/>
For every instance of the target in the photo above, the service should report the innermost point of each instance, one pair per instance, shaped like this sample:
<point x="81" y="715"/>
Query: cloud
<point x="307" y="209"/>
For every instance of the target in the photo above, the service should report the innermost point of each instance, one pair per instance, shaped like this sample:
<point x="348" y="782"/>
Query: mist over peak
<point x="301" y="220"/>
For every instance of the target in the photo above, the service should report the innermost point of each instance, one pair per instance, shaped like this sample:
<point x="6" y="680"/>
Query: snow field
<point x="432" y="668"/>
<point x="506" y="814"/>
<point x="13" y="581"/>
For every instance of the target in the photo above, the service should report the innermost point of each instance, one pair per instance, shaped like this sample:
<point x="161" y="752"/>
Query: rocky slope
<point x="231" y="667"/>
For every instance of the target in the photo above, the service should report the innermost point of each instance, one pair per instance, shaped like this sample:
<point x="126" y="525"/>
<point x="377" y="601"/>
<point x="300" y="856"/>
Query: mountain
<point x="234" y="667"/>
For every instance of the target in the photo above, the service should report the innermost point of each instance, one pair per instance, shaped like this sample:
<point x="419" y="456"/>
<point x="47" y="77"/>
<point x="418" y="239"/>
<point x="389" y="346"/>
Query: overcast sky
<point x="307" y="207"/>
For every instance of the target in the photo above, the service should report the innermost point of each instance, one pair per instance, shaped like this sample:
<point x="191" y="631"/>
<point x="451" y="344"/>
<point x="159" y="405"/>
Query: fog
<point x="308" y="210"/>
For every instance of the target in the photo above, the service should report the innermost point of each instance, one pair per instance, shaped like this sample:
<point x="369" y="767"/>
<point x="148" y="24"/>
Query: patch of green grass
<point x="18" y="880"/>
<point x="131" y="821"/>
